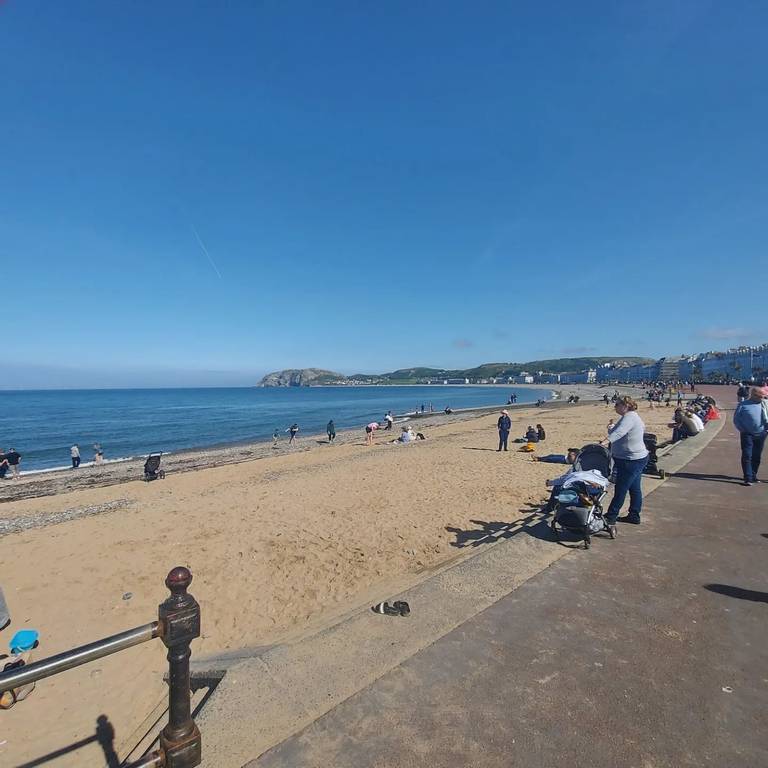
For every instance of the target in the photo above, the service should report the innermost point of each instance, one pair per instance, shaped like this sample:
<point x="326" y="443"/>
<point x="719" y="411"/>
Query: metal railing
<point x="177" y="625"/>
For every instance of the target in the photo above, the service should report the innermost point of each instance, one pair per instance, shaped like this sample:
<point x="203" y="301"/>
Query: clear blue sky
<point x="246" y="186"/>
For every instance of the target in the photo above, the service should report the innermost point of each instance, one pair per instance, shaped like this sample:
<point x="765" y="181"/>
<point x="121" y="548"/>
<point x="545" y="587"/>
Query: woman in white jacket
<point x="629" y="459"/>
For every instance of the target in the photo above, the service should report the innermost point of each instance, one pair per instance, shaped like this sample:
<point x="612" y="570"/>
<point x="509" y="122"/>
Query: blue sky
<point x="200" y="192"/>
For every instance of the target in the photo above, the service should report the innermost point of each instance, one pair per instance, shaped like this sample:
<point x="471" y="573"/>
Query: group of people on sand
<point x="388" y="421"/>
<point x="98" y="455"/>
<point x="407" y="434"/>
<point x="9" y="462"/>
<point x="531" y="436"/>
<point x="293" y="430"/>
<point x="11" y="459"/>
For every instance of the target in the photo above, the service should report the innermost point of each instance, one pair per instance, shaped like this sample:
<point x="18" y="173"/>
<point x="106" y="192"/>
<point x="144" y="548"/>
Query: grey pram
<point x="579" y="502"/>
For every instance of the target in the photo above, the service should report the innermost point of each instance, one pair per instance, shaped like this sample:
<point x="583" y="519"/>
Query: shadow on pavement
<point x="712" y="478"/>
<point x="738" y="592"/>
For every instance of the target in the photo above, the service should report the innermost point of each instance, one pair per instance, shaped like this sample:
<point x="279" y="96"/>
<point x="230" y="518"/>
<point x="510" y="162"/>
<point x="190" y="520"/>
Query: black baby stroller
<point x="652" y="467"/>
<point x="579" y="502"/>
<point x="594" y="456"/>
<point x="152" y="467"/>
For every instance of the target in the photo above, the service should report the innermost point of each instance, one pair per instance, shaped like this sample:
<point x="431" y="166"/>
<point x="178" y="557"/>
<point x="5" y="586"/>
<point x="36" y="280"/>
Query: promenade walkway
<point x="647" y="652"/>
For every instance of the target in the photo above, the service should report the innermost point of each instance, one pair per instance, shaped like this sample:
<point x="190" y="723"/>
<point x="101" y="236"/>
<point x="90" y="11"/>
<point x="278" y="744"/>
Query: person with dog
<point x="629" y="459"/>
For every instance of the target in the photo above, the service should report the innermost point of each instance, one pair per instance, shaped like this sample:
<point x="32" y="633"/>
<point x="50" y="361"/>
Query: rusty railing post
<point x="179" y="619"/>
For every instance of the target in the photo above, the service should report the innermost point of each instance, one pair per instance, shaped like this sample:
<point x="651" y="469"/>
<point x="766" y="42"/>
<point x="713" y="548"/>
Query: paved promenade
<point x="647" y="652"/>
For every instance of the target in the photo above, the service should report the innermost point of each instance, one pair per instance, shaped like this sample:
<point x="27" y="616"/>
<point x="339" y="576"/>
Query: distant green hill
<point x="496" y="370"/>
<point x="303" y="377"/>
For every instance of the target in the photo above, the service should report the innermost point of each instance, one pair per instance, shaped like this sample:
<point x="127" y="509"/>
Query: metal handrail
<point x="177" y="625"/>
<point x="53" y="665"/>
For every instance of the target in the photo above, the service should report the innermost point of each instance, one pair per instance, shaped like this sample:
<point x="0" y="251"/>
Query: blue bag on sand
<point x="24" y="640"/>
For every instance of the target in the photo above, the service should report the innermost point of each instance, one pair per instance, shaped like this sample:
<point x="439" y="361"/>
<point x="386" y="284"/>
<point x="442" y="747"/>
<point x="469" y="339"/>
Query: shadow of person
<point x="710" y="478"/>
<point x="105" y="735"/>
<point x="738" y="592"/>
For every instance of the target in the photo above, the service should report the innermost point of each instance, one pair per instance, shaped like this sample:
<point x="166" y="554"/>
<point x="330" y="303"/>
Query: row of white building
<point x="738" y="364"/>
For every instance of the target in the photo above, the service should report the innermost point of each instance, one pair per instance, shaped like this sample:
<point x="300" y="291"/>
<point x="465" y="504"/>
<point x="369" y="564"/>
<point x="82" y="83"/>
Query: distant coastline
<point x="486" y="374"/>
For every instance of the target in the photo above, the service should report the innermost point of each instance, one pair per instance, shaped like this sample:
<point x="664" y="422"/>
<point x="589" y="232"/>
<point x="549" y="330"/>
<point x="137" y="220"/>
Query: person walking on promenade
<point x="504" y="424"/>
<point x="751" y="421"/>
<point x="13" y="457"/>
<point x="331" y="430"/>
<point x="74" y="452"/>
<point x="293" y="430"/>
<point x="629" y="459"/>
<point x="765" y="400"/>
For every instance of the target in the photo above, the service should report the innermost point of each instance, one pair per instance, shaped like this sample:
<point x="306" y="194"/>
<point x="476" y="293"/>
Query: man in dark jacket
<point x="504" y="424"/>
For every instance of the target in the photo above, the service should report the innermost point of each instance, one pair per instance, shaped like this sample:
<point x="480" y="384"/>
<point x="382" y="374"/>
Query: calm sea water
<point x="42" y="425"/>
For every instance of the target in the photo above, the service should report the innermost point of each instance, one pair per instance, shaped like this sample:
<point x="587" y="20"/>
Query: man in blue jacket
<point x="504" y="424"/>
<point x="751" y="421"/>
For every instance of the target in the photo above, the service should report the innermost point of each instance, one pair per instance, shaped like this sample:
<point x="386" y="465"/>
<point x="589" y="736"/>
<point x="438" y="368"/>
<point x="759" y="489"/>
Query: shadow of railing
<point x="490" y="531"/>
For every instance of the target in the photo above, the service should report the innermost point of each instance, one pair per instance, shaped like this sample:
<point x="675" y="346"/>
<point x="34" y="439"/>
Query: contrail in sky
<point x="204" y="249"/>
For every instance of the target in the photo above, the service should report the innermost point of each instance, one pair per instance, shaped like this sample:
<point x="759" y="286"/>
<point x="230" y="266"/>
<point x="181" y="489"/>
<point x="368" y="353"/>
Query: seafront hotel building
<point x="738" y="364"/>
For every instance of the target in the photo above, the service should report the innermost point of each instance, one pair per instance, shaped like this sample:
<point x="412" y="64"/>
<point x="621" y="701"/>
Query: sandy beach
<point x="277" y="548"/>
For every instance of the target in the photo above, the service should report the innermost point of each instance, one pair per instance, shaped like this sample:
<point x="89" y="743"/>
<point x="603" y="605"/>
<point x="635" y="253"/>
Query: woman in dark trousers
<point x="752" y="422"/>
<point x="629" y="459"/>
<point x="504" y="424"/>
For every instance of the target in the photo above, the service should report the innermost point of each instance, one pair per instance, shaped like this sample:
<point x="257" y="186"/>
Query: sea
<point x="43" y="425"/>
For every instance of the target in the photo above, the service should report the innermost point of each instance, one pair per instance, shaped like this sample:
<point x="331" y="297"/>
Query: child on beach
<point x="275" y="438"/>
<point x="294" y="430"/>
<point x="331" y="430"/>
